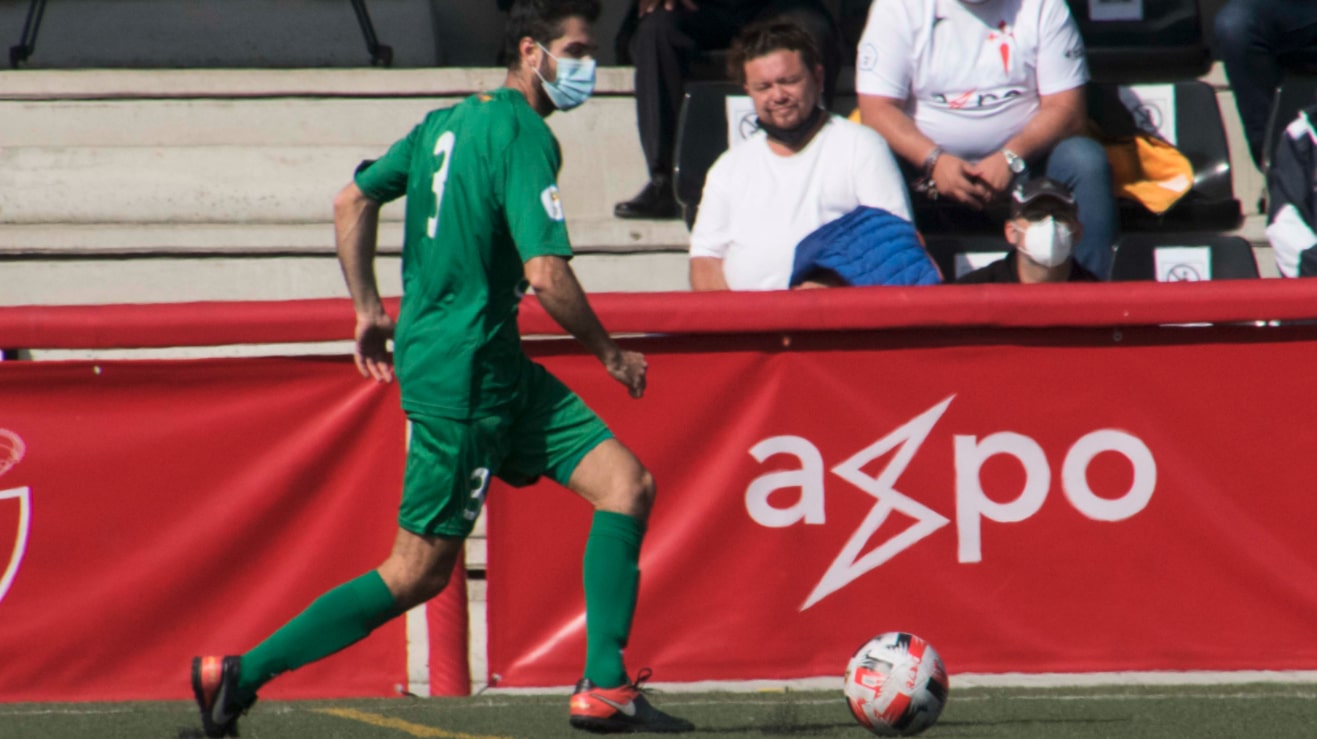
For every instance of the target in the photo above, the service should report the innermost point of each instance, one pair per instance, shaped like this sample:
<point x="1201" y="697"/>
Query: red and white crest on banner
<point x="12" y="450"/>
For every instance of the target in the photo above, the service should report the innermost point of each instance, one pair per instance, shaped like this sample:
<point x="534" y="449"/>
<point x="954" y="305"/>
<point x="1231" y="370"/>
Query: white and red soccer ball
<point x="896" y="684"/>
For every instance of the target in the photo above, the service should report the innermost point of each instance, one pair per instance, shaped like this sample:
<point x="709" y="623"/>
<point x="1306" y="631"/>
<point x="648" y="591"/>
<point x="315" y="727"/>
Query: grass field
<point x="1265" y="710"/>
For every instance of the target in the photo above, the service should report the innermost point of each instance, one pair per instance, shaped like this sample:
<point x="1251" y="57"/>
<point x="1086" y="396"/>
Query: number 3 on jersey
<point x="443" y="152"/>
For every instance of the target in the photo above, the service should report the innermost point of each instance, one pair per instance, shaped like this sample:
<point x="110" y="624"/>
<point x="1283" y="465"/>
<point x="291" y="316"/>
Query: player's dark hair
<point x="767" y="36"/>
<point x="542" y="20"/>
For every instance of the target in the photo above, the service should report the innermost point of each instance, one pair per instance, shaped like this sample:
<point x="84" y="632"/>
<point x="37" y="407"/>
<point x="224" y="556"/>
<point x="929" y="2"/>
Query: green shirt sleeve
<point x="385" y="179"/>
<point x="530" y="194"/>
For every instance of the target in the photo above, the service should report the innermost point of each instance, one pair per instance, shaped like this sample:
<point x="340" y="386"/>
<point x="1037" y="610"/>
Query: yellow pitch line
<point x="421" y="730"/>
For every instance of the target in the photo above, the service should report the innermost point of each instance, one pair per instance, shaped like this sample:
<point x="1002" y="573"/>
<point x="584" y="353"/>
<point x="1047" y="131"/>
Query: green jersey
<point x="482" y="198"/>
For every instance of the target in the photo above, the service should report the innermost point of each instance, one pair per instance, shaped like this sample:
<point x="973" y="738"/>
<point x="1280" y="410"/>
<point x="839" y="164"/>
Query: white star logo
<point x="849" y="563"/>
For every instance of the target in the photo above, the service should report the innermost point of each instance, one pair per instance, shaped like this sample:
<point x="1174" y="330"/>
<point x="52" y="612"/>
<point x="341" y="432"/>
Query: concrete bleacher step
<point x="182" y="238"/>
<point x="118" y="184"/>
<point x="240" y="159"/>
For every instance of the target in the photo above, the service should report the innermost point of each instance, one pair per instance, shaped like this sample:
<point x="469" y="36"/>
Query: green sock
<point x="339" y="618"/>
<point x="612" y="578"/>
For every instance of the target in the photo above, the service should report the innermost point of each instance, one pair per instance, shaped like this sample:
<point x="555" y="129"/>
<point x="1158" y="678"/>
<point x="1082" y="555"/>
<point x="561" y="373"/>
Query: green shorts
<point x="545" y="432"/>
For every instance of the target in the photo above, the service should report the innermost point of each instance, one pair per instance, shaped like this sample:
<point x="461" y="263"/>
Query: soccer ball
<point x="896" y="684"/>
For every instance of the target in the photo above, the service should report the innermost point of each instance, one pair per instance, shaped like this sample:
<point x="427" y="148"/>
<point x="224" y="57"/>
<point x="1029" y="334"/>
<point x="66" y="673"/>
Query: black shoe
<point x="215" y="685"/>
<point x="621" y="710"/>
<point x="656" y="200"/>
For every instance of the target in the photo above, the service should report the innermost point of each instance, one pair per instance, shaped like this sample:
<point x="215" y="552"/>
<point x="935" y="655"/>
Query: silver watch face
<point x="1014" y="162"/>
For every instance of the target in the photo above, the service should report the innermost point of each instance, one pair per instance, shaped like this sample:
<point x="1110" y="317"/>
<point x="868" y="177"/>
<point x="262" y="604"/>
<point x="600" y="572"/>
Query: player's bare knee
<point x="418" y="587"/>
<point x="636" y="495"/>
<point x="647" y="491"/>
<point x="414" y="580"/>
<point x="432" y="584"/>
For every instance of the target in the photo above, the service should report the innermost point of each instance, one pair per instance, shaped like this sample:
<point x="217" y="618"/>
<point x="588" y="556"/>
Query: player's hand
<point x="645" y="7"/>
<point x="994" y="173"/>
<point x="372" y="351"/>
<point x="629" y="369"/>
<point x="955" y="179"/>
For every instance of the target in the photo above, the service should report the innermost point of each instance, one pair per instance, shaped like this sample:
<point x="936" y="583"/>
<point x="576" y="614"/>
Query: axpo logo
<point x="973" y="506"/>
<point x="12" y="450"/>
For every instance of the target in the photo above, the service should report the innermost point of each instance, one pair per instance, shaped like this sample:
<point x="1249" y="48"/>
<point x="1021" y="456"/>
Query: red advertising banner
<point x="155" y="510"/>
<point x="1041" y="500"/>
<point x="1033" y="478"/>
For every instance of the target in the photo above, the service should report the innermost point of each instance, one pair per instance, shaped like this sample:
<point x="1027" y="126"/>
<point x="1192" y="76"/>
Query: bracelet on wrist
<point x="931" y="160"/>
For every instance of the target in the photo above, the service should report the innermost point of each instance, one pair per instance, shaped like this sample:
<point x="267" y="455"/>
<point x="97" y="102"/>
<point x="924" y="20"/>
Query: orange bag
<point x="1149" y="170"/>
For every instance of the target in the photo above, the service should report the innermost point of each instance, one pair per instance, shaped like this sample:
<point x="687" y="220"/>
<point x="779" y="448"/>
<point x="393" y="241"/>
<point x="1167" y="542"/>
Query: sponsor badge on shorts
<point x="552" y="202"/>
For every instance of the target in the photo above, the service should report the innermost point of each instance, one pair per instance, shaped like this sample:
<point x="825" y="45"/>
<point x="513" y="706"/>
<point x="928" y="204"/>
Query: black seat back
<point x="1227" y="258"/>
<point x="956" y="255"/>
<point x="1198" y="133"/>
<point x="1296" y="92"/>
<point x="1151" y="41"/>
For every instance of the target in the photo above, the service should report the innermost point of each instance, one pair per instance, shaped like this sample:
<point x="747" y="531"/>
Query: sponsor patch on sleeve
<point x="552" y="202"/>
<point x="868" y="57"/>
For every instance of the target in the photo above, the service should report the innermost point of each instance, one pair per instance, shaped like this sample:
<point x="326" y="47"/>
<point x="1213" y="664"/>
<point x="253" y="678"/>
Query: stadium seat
<point x="701" y="139"/>
<point x="1148" y="41"/>
<point x="1198" y="132"/>
<point x="381" y="55"/>
<point x="1296" y="91"/>
<point x="1182" y="257"/>
<point x="956" y="255"/>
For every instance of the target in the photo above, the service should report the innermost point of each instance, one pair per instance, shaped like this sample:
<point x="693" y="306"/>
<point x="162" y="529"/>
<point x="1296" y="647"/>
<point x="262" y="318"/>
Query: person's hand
<point x="372" y="352"/>
<point x="955" y="179"/>
<point x="645" y="7"/>
<point x="629" y="369"/>
<point x="994" y="172"/>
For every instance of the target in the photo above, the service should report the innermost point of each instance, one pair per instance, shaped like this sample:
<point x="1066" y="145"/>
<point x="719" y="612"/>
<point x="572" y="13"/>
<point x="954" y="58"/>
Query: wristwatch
<point x="1013" y="161"/>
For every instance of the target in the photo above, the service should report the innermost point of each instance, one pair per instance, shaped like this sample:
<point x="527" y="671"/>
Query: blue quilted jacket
<point x="867" y="246"/>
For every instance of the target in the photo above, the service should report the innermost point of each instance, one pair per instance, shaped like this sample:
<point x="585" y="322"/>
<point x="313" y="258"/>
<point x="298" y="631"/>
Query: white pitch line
<point x="967" y="680"/>
<point x="66" y="711"/>
<point x="668" y="701"/>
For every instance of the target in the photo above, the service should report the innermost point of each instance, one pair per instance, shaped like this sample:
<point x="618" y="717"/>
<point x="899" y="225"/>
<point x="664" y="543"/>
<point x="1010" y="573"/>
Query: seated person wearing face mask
<point x="1042" y="231"/>
<point x="802" y="169"/>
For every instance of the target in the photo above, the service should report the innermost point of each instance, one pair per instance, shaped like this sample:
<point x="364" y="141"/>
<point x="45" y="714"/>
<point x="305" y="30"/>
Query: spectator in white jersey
<point x="978" y="95"/>
<point x="803" y="168"/>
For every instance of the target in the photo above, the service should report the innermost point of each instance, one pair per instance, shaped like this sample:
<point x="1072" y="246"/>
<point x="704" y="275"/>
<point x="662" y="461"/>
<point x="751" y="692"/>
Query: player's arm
<point x="560" y="293"/>
<point x="356" y="227"/>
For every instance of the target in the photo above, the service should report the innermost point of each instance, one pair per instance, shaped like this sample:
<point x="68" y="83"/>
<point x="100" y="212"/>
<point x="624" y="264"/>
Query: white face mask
<point x="1047" y="242"/>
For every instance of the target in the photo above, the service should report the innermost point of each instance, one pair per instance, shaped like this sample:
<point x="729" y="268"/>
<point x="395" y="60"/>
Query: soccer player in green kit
<point x="483" y="223"/>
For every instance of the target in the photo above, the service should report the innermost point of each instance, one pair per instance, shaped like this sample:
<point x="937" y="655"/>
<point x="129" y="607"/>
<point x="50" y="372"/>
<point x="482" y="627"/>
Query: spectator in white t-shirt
<point x="803" y="168"/>
<point x="977" y="94"/>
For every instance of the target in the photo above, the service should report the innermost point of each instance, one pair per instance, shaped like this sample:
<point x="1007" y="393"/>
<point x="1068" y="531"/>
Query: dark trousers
<point x="666" y="44"/>
<point x="1255" y="39"/>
